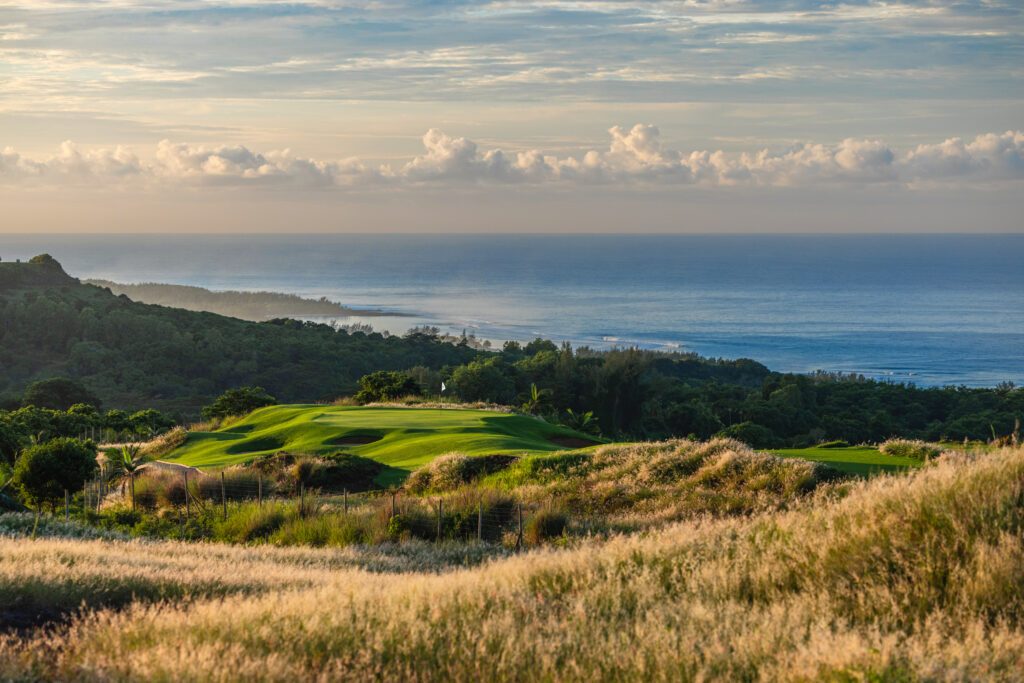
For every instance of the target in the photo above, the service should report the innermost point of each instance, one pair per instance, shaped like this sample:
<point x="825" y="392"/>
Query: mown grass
<point x="912" y="577"/>
<point x="860" y="460"/>
<point x="409" y="437"/>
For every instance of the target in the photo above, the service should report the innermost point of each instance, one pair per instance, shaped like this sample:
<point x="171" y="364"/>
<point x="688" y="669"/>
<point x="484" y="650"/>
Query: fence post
<point x="479" y="521"/>
<point x="85" y="496"/>
<point x="181" y="526"/>
<point x="223" y="495"/>
<point x="259" y="490"/>
<point x="438" y="520"/>
<point x="67" y="506"/>
<point x="132" y="474"/>
<point x="346" y="502"/>
<point x="392" y="504"/>
<point x="519" y="541"/>
<point x="188" y="498"/>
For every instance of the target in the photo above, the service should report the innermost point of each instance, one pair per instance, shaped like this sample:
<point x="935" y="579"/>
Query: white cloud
<point x="634" y="157"/>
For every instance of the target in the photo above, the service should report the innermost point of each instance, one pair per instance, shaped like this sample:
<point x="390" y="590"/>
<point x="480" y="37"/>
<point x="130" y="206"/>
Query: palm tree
<point x="129" y="461"/>
<point x="581" y="422"/>
<point x="536" y="400"/>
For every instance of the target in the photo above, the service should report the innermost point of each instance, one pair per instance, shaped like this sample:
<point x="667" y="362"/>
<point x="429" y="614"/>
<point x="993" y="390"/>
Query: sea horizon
<point x="931" y="309"/>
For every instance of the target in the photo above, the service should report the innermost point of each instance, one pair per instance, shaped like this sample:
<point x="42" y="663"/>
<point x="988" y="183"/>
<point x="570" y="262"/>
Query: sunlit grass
<point x="911" y="577"/>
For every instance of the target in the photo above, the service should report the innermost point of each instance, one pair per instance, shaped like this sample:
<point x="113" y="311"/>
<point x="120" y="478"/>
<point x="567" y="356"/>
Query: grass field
<point x="907" y="578"/>
<point x="861" y="460"/>
<point x="401" y="438"/>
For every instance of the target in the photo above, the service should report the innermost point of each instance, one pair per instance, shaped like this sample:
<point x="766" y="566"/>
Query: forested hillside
<point x="136" y="356"/>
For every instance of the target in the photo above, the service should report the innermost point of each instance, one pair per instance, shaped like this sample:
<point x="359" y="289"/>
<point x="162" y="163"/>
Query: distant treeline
<point x="134" y="356"/>
<point x="254" y="306"/>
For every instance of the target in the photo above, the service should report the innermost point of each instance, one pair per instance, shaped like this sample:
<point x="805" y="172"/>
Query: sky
<point x="546" y="116"/>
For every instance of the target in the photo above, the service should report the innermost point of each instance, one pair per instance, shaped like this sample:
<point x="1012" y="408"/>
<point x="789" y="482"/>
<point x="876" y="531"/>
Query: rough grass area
<point x="642" y="484"/>
<point x="860" y="460"/>
<point x="408" y="437"/>
<point x="915" y="450"/>
<point x="913" y="577"/>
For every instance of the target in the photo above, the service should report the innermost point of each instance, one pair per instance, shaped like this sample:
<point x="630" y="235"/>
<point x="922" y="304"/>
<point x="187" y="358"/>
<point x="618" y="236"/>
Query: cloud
<point x="634" y="157"/>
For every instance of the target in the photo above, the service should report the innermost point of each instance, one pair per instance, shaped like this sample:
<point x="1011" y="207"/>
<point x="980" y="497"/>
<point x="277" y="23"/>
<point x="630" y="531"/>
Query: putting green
<point x="401" y="438"/>
<point x="862" y="460"/>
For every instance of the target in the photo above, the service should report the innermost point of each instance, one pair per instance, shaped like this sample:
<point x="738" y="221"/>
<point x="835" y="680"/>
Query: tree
<point x="536" y="400"/>
<point x="483" y="380"/>
<point x="11" y="444"/>
<point x="45" y="471"/>
<point x="238" y="402"/>
<point x="57" y="393"/>
<point x="128" y="462"/>
<point x="752" y="434"/>
<point x="149" y="422"/>
<point x="581" y="422"/>
<point x="384" y="386"/>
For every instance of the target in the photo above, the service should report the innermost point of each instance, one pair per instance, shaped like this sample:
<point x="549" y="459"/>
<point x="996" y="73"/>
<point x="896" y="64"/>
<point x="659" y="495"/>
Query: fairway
<point x="401" y="438"/>
<point x="862" y="460"/>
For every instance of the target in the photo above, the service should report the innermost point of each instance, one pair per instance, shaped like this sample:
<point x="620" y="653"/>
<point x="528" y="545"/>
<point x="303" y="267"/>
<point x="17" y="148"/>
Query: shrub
<point x="44" y="472"/>
<point x="345" y="471"/>
<point x="917" y="450"/>
<point x="250" y="522"/>
<point x="444" y="472"/>
<point x="452" y="470"/>
<point x="546" y="524"/>
<point x="750" y="433"/>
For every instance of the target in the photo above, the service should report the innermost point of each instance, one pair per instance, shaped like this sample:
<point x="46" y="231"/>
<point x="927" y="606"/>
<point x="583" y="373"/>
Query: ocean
<point x="927" y="309"/>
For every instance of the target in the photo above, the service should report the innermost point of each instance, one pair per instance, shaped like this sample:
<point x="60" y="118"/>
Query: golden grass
<point x="911" y="577"/>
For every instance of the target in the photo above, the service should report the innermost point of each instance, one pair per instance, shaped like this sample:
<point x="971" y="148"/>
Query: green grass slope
<point x="861" y="460"/>
<point x="407" y="438"/>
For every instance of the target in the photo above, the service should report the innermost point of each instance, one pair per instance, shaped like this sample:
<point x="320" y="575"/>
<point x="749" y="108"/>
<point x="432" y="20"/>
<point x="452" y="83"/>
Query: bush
<point x="444" y="472"/>
<point x="548" y="523"/>
<point x="345" y="471"/>
<point x="452" y="470"/>
<point x="750" y="433"/>
<point x="44" y="472"/>
<point x="251" y="522"/>
<point x="917" y="450"/>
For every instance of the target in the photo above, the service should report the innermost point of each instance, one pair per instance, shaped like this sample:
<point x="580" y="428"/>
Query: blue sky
<point x="703" y="109"/>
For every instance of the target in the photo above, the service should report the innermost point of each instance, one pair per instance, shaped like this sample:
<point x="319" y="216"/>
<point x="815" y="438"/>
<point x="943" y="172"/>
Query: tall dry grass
<point x="917" y="577"/>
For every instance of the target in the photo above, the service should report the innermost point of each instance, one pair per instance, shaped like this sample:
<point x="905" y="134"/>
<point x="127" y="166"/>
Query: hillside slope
<point x="907" y="578"/>
<point x="135" y="355"/>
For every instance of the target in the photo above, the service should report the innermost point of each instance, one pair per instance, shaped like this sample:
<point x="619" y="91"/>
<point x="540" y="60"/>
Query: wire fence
<point x="467" y="516"/>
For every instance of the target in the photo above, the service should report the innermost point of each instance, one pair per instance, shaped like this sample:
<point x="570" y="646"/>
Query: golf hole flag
<point x="443" y="387"/>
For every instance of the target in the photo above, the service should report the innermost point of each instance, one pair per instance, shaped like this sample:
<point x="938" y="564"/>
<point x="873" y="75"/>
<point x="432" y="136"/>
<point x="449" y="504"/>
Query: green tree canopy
<point x="11" y="443"/>
<point x="384" y="386"/>
<point x="57" y="393"/>
<point x="240" y="401"/>
<point x="44" y="472"/>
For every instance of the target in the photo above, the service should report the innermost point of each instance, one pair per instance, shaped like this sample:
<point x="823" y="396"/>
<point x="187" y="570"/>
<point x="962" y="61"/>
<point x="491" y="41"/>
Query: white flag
<point x="443" y="386"/>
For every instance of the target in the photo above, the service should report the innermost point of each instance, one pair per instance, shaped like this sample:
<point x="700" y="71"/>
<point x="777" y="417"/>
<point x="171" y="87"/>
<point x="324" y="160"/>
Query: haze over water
<point x="928" y="309"/>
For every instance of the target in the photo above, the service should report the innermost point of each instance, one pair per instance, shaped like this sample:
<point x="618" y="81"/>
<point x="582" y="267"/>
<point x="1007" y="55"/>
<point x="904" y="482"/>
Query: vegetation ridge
<point x="255" y="306"/>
